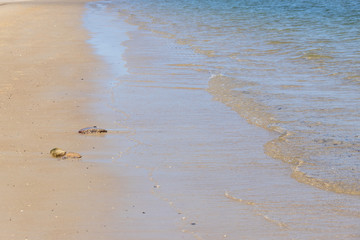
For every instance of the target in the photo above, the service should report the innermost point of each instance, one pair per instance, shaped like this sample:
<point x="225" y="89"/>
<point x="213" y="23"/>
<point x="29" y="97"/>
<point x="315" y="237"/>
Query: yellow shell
<point x="57" y="152"/>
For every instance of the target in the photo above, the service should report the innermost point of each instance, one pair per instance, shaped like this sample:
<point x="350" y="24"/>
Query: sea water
<point x="290" y="67"/>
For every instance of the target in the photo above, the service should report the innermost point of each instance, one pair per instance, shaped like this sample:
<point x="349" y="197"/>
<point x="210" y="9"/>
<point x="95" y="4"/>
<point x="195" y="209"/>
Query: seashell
<point x="94" y="129"/>
<point x="57" y="152"/>
<point x="71" y="155"/>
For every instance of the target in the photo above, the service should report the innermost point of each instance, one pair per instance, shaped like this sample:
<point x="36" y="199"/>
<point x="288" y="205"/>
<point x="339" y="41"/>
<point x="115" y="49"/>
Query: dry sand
<point x="47" y="89"/>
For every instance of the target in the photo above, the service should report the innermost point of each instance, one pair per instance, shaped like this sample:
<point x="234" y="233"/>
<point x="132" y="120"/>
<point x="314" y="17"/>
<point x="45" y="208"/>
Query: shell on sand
<point x="57" y="152"/>
<point x="71" y="155"/>
<point x="94" y="129"/>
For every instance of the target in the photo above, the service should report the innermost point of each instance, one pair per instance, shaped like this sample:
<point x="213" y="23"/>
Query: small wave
<point x="324" y="184"/>
<point x="240" y="100"/>
<point x="289" y="147"/>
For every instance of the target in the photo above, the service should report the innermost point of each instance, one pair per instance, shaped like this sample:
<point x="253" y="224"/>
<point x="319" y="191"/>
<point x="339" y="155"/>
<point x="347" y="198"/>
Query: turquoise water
<point x="288" y="66"/>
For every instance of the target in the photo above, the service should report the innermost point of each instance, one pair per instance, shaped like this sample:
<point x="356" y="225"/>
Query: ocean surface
<point x="290" y="67"/>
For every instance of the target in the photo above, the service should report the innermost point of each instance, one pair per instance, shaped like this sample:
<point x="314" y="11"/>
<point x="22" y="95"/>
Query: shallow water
<point x="202" y="158"/>
<point x="288" y="66"/>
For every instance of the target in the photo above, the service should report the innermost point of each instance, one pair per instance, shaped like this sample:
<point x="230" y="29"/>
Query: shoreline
<point x="176" y="164"/>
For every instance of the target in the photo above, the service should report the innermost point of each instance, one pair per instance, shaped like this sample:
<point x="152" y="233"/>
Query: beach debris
<point x="57" y="152"/>
<point x="71" y="155"/>
<point x="94" y="129"/>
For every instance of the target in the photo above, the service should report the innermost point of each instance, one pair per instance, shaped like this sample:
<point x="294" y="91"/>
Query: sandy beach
<point x="46" y="83"/>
